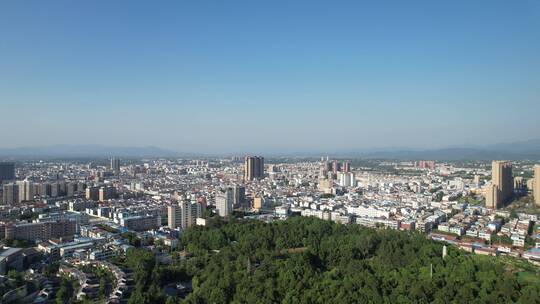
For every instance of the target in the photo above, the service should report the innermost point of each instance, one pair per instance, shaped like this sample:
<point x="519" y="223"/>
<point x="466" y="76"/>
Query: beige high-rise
<point x="536" y="185"/>
<point x="258" y="202"/>
<point x="502" y="184"/>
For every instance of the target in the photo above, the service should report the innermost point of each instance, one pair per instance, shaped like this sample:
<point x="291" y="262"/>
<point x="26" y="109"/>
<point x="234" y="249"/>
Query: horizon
<point x="522" y="150"/>
<point x="303" y="76"/>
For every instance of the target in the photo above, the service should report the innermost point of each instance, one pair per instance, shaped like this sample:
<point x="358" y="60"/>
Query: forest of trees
<point x="307" y="260"/>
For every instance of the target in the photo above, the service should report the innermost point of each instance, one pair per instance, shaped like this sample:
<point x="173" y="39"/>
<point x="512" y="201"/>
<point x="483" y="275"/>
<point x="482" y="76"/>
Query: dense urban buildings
<point x="77" y="211"/>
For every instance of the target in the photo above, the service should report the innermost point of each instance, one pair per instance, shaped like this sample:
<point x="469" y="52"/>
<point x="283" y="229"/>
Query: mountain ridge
<point x="519" y="150"/>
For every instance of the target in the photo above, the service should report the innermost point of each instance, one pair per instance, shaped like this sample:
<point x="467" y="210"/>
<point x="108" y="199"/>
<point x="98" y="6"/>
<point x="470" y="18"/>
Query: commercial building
<point x="501" y="189"/>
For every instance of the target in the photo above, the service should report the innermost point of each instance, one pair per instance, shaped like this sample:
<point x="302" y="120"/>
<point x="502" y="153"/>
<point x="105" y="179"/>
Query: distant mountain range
<point x="521" y="150"/>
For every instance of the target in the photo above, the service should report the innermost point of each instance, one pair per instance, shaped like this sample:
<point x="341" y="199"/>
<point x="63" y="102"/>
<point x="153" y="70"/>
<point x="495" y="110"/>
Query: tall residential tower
<point x="501" y="190"/>
<point x="115" y="165"/>
<point x="253" y="168"/>
<point x="225" y="202"/>
<point x="536" y="185"/>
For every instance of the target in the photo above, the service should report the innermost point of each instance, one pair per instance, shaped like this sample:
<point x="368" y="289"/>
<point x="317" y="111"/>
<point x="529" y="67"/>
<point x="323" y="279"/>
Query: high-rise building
<point x="239" y="196"/>
<point x="174" y="216"/>
<point x="183" y="215"/>
<point x="55" y="190"/>
<point x="7" y="172"/>
<point x="224" y="202"/>
<point x="92" y="193"/>
<point x="115" y="165"/>
<point x="325" y="168"/>
<point x="10" y="193"/>
<point x="346" y="167"/>
<point x="325" y="185"/>
<point x="71" y="188"/>
<point x="426" y="164"/>
<point x="536" y="185"/>
<point x="258" y="202"/>
<point x="26" y="190"/>
<point x="477" y="180"/>
<point x="501" y="189"/>
<point x="196" y="211"/>
<point x="519" y="184"/>
<point x="106" y="193"/>
<point x="336" y="166"/>
<point x="346" y="179"/>
<point x="253" y="168"/>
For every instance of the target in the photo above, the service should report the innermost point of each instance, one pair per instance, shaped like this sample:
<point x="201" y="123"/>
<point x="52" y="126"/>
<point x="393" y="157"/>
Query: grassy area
<point x="529" y="277"/>
<point x="524" y="204"/>
<point x="526" y="271"/>
<point x="473" y="239"/>
<point x="473" y="200"/>
<point x="444" y="232"/>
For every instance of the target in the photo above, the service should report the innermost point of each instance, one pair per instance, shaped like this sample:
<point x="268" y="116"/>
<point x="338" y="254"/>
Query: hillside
<point x="306" y="260"/>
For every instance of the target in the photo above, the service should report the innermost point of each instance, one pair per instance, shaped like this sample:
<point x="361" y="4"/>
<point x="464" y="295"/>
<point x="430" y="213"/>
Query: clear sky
<point x="221" y="76"/>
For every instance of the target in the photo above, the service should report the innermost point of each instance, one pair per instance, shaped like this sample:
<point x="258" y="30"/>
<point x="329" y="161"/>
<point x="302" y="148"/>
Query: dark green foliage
<point x="132" y="238"/>
<point x="438" y="197"/>
<point x="147" y="275"/>
<point x="65" y="292"/>
<point x="504" y="239"/>
<point x="306" y="260"/>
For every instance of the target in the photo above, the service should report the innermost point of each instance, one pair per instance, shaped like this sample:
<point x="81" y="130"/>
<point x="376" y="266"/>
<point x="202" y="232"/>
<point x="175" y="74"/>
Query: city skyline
<point x="308" y="76"/>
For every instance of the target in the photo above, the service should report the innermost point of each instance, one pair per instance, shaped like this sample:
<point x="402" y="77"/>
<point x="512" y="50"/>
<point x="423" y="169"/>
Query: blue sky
<point x="250" y="76"/>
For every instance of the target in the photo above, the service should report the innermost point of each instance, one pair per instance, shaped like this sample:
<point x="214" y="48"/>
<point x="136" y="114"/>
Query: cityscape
<point x="83" y="217"/>
<point x="285" y="152"/>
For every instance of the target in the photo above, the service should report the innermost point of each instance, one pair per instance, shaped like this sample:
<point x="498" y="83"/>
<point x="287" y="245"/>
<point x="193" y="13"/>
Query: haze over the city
<point x="302" y="76"/>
